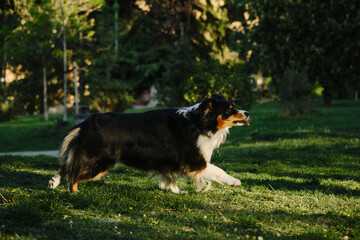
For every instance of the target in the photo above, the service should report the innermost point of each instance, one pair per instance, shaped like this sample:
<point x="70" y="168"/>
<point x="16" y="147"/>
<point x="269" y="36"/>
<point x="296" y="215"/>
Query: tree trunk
<point x="76" y="89"/>
<point x="64" y="45"/>
<point x="3" y="72"/>
<point x="116" y="28"/>
<point x="46" y="115"/>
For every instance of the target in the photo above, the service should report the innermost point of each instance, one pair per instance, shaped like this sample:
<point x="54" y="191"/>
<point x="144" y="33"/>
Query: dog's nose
<point x="247" y="114"/>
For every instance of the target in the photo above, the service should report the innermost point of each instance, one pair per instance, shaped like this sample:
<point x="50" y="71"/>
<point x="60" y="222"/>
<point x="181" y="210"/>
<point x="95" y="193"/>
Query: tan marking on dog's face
<point x="230" y="121"/>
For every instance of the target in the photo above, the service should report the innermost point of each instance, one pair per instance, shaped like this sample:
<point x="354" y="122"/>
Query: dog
<point x="167" y="142"/>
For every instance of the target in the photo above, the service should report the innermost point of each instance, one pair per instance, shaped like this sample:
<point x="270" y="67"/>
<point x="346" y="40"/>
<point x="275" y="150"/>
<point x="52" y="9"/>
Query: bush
<point x="227" y="79"/>
<point x="108" y="92"/>
<point x="6" y="111"/>
<point x="110" y="97"/>
<point x="168" y="67"/>
<point x="295" y="94"/>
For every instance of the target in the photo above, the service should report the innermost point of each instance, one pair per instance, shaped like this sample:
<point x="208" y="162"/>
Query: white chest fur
<point x="207" y="144"/>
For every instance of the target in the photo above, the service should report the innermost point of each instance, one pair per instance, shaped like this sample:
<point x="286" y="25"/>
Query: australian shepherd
<point x="166" y="142"/>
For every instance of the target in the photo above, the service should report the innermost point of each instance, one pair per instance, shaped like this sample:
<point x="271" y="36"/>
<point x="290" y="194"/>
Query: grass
<point x="300" y="180"/>
<point x="31" y="133"/>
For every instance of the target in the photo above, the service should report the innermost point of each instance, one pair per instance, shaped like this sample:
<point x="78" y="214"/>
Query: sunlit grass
<point x="300" y="180"/>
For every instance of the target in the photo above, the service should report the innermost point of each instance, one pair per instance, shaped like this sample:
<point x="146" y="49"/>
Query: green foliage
<point x="315" y="36"/>
<point x="110" y="97"/>
<point x="227" y="79"/>
<point x="6" y="111"/>
<point x="26" y="101"/>
<point x="107" y="92"/>
<point x="32" y="32"/>
<point x="168" y="44"/>
<point x="176" y="65"/>
<point x="295" y="93"/>
<point x="28" y="47"/>
<point x="159" y="45"/>
<point x="154" y="51"/>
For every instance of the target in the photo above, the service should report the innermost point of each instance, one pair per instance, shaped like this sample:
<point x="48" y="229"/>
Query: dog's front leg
<point x="213" y="173"/>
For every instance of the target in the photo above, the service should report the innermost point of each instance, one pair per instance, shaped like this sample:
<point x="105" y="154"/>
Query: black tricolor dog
<point x="167" y="142"/>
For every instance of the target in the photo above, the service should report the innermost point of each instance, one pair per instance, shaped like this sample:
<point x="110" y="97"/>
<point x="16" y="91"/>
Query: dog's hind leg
<point x="74" y="181"/>
<point x="84" y="176"/>
<point x="73" y="187"/>
<point x="168" y="182"/>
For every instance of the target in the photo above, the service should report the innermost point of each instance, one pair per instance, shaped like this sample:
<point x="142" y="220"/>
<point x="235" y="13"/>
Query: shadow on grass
<point x="312" y="184"/>
<point x="23" y="179"/>
<point x="35" y="221"/>
<point x="323" y="225"/>
<point x="26" y="172"/>
<point x="75" y="228"/>
<point x="306" y="167"/>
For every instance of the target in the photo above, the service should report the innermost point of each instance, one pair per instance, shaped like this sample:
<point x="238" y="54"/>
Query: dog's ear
<point x="206" y="106"/>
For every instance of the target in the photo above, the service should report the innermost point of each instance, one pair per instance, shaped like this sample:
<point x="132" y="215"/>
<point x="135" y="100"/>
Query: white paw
<point x="235" y="182"/>
<point x="51" y="184"/>
<point x="54" y="182"/>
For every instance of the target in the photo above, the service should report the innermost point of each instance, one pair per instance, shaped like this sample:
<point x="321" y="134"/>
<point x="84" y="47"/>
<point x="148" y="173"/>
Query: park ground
<point x="300" y="180"/>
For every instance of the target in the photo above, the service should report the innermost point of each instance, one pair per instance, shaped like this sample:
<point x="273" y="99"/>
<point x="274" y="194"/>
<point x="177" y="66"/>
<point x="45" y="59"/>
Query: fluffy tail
<point x="67" y="147"/>
<point x="66" y="157"/>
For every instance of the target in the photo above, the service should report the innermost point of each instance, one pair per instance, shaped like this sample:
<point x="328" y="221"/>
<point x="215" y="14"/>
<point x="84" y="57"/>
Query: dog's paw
<point x="235" y="182"/>
<point x="53" y="183"/>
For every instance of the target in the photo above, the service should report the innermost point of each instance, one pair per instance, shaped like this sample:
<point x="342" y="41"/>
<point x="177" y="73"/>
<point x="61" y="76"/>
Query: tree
<point x="35" y="45"/>
<point x="160" y="43"/>
<point x="317" y="37"/>
<point x="9" y="20"/>
<point x="229" y="79"/>
<point x="34" y="50"/>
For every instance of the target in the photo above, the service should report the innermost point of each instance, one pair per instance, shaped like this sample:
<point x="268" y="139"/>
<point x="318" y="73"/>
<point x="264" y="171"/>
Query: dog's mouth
<point x="242" y="122"/>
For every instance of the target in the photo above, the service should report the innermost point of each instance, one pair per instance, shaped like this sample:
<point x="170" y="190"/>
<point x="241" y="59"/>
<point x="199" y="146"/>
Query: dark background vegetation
<point x="186" y="49"/>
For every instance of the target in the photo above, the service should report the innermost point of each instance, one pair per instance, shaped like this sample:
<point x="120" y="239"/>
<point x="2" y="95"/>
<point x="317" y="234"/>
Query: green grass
<point x="31" y="133"/>
<point x="300" y="180"/>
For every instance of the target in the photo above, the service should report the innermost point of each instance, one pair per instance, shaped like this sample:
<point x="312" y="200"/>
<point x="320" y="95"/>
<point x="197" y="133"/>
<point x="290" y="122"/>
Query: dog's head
<point x="223" y="112"/>
<point x="216" y="113"/>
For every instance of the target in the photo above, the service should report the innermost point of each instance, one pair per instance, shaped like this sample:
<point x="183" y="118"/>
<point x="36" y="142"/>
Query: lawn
<point x="300" y="180"/>
<point x="31" y="133"/>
